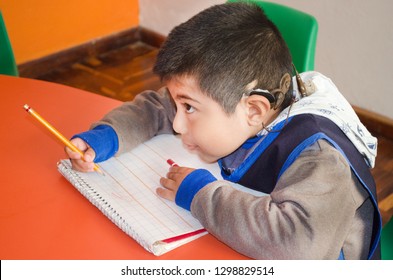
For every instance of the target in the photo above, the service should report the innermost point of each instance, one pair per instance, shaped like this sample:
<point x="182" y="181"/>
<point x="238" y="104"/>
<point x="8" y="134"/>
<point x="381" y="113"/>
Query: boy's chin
<point x="207" y="158"/>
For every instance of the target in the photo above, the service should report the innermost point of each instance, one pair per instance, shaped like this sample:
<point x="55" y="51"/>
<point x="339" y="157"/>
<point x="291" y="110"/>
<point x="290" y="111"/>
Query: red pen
<point x="171" y="162"/>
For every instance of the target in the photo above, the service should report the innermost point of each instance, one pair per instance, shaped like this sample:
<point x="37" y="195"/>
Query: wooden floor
<point x="120" y="74"/>
<point x="125" y="72"/>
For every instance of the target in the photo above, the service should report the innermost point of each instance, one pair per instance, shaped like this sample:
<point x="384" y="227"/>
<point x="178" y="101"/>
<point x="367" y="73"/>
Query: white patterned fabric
<point x="327" y="101"/>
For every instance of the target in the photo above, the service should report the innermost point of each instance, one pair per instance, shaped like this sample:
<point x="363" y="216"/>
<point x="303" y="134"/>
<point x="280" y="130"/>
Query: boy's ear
<point x="256" y="107"/>
<point x="285" y="83"/>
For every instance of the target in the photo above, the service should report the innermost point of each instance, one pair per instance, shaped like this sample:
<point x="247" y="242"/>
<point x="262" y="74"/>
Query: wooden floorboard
<point x="123" y="73"/>
<point x="120" y="74"/>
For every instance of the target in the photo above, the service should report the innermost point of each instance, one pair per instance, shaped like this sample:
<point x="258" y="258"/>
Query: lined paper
<point x="127" y="192"/>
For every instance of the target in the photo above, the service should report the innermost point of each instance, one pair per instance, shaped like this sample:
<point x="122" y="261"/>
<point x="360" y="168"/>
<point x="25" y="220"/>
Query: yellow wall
<point x="38" y="28"/>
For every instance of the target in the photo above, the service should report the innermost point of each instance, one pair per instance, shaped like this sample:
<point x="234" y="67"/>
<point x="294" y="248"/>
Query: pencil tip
<point x="100" y="171"/>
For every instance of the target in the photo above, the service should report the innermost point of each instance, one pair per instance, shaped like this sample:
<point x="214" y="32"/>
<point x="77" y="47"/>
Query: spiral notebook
<point x="126" y="194"/>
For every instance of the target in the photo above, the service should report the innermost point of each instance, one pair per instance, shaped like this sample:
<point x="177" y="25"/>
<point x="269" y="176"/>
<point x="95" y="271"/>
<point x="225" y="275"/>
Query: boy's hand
<point x="172" y="181"/>
<point x="86" y="164"/>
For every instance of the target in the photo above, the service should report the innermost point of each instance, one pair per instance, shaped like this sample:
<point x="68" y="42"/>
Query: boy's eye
<point x="189" y="108"/>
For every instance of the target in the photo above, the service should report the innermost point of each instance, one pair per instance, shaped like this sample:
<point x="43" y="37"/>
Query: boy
<point x="230" y="95"/>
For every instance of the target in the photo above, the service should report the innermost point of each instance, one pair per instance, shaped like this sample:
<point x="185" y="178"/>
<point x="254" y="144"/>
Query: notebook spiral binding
<point x="64" y="166"/>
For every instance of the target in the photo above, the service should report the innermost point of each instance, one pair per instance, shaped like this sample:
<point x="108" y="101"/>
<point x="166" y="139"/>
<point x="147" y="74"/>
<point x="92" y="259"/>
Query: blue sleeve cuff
<point x="194" y="181"/>
<point x="103" y="140"/>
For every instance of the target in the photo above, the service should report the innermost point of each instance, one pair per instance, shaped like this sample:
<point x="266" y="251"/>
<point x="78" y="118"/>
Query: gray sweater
<point x="317" y="208"/>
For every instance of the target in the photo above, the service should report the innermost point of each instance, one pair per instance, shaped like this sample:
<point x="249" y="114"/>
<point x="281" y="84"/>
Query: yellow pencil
<point x="57" y="134"/>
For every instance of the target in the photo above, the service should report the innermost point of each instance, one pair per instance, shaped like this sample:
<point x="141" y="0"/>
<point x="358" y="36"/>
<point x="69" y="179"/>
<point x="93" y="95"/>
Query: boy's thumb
<point x="89" y="155"/>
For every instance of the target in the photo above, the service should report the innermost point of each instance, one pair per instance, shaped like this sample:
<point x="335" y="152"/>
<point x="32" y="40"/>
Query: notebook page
<point x="126" y="194"/>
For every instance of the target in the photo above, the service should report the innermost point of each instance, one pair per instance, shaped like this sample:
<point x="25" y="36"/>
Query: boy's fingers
<point x="71" y="154"/>
<point x="89" y="155"/>
<point x="81" y="163"/>
<point x="168" y="183"/>
<point x="87" y="167"/>
<point x="79" y="143"/>
<point x="166" y="193"/>
<point x="169" y="189"/>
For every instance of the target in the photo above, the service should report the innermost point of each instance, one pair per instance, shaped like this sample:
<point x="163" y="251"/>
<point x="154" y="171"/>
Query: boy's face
<point x="204" y="126"/>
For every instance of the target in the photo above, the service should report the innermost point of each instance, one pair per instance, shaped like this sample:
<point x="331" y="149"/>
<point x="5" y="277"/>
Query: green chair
<point x="387" y="241"/>
<point x="7" y="60"/>
<point x="299" y="30"/>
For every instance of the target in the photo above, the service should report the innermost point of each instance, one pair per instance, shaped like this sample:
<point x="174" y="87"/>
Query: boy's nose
<point x="179" y="124"/>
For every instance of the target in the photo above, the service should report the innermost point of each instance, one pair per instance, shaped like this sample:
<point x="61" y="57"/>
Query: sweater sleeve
<point x="149" y="114"/>
<point x="102" y="139"/>
<point x="195" y="181"/>
<point x="307" y="216"/>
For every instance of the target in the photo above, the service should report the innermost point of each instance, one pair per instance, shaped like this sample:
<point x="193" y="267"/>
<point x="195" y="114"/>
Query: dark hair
<point x="225" y="47"/>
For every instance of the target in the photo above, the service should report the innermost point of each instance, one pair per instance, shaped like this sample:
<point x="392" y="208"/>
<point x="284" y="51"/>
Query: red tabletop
<point x="42" y="216"/>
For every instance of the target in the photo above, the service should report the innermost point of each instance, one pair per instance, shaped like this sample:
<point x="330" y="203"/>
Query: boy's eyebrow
<point x="185" y="96"/>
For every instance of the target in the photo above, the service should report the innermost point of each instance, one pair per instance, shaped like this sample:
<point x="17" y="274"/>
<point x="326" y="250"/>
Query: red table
<point x="41" y="215"/>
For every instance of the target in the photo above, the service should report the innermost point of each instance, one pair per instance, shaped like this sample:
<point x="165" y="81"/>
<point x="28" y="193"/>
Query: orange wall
<point x="42" y="27"/>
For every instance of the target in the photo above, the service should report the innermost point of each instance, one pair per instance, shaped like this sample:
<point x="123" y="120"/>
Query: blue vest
<point x="286" y="145"/>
